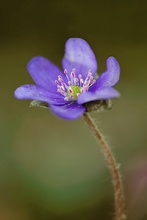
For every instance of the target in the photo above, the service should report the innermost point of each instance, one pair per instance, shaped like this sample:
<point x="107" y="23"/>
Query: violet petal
<point x="34" y="92"/>
<point x="103" y="94"/>
<point x="110" y="77"/>
<point x="70" y="111"/>
<point x="80" y="56"/>
<point x="44" y="73"/>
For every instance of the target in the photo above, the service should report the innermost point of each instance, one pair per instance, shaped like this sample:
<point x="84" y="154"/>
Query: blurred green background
<point x="51" y="169"/>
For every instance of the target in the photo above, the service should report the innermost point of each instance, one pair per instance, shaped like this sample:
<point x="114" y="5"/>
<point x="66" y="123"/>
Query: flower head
<point x="67" y="91"/>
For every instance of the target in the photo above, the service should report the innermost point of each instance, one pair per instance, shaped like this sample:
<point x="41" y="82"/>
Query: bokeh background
<point x="51" y="169"/>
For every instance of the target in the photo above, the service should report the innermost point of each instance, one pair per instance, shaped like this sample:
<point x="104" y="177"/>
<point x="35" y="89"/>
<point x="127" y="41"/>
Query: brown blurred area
<point x="51" y="169"/>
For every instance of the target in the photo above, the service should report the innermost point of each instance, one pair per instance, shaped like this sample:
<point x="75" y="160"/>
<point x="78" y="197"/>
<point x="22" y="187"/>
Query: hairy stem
<point x="113" y="168"/>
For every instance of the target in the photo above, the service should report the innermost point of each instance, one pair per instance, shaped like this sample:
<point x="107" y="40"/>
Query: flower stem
<point x="113" y="168"/>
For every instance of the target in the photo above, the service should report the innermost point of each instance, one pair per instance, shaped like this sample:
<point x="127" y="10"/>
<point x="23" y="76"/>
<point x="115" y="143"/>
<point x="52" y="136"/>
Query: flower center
<point x="75" y="85"/>
<point x="74" y="90"/>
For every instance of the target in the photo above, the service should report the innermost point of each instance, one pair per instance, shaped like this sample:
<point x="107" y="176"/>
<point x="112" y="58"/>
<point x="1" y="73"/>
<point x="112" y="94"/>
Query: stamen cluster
<point x="75" y="84"/>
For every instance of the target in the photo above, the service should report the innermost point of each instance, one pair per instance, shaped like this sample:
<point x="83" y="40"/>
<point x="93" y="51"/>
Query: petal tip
<point x="112" y="64"/>
<point x="19" y="93"/>
<point x="16" y="93"/>
<point x="34" y="60"/>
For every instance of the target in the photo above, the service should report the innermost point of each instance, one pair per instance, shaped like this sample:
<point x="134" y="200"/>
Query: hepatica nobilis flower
<point x="67" y="91"/>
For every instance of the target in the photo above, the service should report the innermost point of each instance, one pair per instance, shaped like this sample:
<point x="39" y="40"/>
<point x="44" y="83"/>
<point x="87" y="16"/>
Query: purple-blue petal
<point x="80" y="56"/>
<point x="69" y="111"/>
<point x="44" y="73"/>
<point x="110" y="77"/>
<point x="103" y="94"/>
<point x="34" y="92"/>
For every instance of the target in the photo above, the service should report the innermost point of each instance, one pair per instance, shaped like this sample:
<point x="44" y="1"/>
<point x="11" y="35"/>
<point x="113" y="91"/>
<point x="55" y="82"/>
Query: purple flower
<point x="67" y="91"/>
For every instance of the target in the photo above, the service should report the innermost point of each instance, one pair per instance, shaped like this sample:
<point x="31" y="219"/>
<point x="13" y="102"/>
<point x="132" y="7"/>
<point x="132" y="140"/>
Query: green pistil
<point x="75" y="91"/>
